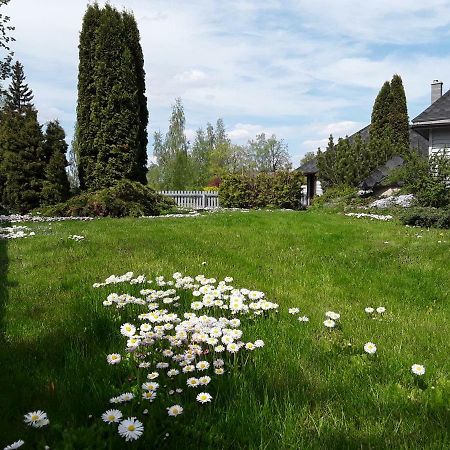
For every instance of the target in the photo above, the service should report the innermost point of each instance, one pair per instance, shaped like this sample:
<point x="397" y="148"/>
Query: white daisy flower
<point x="149" y="395"/>
<point x="250" y="346"/>
<point x="204" y="397"/>
<point x="329" y="323"/>
<point x="35" y="418"/>
<point x="233" y="347"/>
<point x="14" y="445"/>
<point x="369" y="310"/>
<point x="127" y="329"/>
<point x="418" y="369"/>
<point x="153" y="375"/>
<point x="218" y="363"/>
<point x="202" y="365"/>
<point x="219" y="371"/>
<point x="113" y="358"/>
<point x="332" y="315"/>
<point x="204" y="380"/>
<point x="192" y="382"/>
<point x="381" y="309"/>
<point x="294" y="310"/>
<point x="111" y="416"/>
<point x="130" y="429"/>
<point x="370" y="347"/>
<point x="150" y="386"/>
<point x="175" y="410"/>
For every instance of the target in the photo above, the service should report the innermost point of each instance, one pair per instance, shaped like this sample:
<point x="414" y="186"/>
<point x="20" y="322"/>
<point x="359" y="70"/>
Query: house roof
<point x="437" y="112"/>
<point x="381" y="173"/>
<point x="309" y="167"/>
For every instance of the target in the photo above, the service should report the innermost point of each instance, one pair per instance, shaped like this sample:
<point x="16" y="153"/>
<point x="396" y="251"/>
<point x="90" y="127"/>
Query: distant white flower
<point x="174" y="410"/>
<point x="418" y="369"/>
<point x="332" y="315"/>
<point x="303" y="319"/>
<point x="370" y="347"/>
<point x="294" y="310"/>
<point x="219" y="371"/>
<point x="381" y="309"/>
<point x="204" y="380"/>
<point x="259" y="343"/>
<point x="149" y="395"/>
<point x="14" y="445"/>
<point x="329" y="323"/>
<point x="131" y="429"/>
<point x="204" y="397"/>
<point x="113" y="358"/>
<point x="150" y="386"/>
<point x="111" y="416"/>
<point x="36" y="419"/>
<point x="369" y="310"/>
<point x="173" y="372"/>
<point x="153" y="375"/>
<point x="250" y="346"/>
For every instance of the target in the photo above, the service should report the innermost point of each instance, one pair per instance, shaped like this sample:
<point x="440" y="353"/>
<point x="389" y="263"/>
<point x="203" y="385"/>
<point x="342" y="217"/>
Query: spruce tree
<point x="56" y="187"/>
<point x="398" y="116"/>
<point x="21" y="153"/>
<point x="112" y="111"/>
<point x="19" y="96"/>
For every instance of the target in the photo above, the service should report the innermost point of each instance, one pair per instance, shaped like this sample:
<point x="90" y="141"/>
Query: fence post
<point x="203" y="199"/>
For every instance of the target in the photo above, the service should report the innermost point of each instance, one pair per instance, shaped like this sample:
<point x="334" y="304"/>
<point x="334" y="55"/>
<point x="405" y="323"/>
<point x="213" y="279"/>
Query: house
<point x="429" y="133"/>
<point x="433" y="124"/>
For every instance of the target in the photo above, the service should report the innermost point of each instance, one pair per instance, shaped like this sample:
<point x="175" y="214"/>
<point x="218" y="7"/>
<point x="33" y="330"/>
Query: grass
<point x="307" y="388"/>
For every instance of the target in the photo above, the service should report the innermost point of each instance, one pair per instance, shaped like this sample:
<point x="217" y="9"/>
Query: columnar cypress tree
<point x="87" y="121"/>
<point x="381" y="112"/>
<point x="133" y="38"/>
<point x="112" y="112"/>
<point x="398" y="115"/>
<point x="56" y="187"/>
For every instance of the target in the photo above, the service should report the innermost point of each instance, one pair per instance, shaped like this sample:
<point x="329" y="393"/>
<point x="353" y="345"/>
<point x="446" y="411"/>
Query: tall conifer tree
<point x="112" y="110"/>
<point x="398" y="116"/>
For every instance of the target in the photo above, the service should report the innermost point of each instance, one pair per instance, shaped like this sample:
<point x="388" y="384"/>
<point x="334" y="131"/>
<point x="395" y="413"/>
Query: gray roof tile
<point x="439" y="110"/>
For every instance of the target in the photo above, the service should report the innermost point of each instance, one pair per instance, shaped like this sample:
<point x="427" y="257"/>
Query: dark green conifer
<point x="398" y="116"/>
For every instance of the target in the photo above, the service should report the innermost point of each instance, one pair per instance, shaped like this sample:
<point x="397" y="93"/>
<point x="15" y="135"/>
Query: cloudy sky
<point x="301" y="69"/>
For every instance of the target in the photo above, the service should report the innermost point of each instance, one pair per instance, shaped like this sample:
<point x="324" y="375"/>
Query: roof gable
<point x="439" y="110"/>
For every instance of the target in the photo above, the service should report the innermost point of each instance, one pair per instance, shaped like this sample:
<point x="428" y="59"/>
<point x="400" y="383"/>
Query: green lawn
<point x="308" y="388"/>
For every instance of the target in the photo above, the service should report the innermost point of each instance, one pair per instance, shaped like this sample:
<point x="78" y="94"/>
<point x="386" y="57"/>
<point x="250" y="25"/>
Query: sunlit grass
<point x="307" y="388"/>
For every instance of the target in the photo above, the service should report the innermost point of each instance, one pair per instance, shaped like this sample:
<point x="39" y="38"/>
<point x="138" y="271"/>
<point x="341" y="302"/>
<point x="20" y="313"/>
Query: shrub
<point x="336" y="196"/>
<point x="427" y="179"/>
<point x="278" y="190"/>
<point x="126" y="198"/>
<point x="426" y="217"/>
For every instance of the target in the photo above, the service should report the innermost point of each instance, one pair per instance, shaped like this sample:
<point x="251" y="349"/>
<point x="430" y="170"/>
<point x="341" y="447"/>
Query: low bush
<point x="426" y="217"/>
<point x="126" y="198"/>
<point x="336" y="196"/>
<point x="279" y="190"/>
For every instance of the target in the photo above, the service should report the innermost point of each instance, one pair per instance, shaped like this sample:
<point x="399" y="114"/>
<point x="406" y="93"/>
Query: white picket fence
<point x="194" y="199"/>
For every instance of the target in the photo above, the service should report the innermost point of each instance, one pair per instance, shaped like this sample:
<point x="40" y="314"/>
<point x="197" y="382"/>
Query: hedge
<point x="278" y="190"/>
<point x="426" y="217"/>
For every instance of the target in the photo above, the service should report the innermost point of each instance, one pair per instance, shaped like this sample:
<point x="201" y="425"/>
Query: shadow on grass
<point x="3" y="281"/>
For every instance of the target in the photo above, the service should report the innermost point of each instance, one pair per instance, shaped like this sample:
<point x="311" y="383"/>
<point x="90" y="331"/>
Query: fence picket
<point x="194" y="199"/>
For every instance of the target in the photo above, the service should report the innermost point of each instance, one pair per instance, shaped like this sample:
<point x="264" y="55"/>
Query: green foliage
<point x="125" y="198"/>
<point x="398" y="116"/>
<point x="19" y="96"/>
<point x="381" y="112"/>
<point x="279" y="190"/>
<point x="427" y="178"/>
<point x="112" y="111"/>
<point x="5" y="42"/>
<point x="335" y="196"/>
<point x="56" y="187"/>
<point x="21" y="160"/>
<point x="426" y="217"/>
<point x="270" y="154"/>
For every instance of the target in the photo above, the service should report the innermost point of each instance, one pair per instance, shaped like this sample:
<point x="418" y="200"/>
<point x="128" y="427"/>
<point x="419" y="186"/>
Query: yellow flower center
<point x="111" y="417"/>
<point x="34" y="417"/>
<point x="131" y="427"/>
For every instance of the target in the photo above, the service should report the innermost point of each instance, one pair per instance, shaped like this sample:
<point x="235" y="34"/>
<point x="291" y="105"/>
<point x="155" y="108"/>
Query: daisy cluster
<point x="76" y="237"/>
<point x="178" y="353"/>
<point x="18" y="218"/>
<point x="370" y="216"/>
<point x="15" y="232"/>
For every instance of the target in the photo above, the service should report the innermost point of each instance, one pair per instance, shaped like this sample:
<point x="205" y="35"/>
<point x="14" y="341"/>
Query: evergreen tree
<point x="19" y="96"/>
<point x="87" y="122"/>
<point x="112" y="111"/>
<point x="22" y="160"/>
<point x="176" y="147"/>
<point x="398" y="115"/>
<point x="381" y="112"/>
<point x="56" y="187"/>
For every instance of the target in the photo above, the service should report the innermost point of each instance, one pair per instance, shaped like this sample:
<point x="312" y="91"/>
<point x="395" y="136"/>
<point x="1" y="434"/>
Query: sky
<point x="300" y="69"/>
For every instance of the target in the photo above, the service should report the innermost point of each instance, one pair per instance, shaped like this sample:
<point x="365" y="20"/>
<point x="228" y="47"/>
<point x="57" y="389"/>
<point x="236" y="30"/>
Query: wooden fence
<point x="194" y="199"/>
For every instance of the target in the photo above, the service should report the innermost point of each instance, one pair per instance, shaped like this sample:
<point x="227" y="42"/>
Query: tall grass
<point x="307" y="388"/>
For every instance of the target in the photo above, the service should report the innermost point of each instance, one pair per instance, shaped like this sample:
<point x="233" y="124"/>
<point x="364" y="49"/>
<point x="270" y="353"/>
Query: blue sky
<point x="299" y="69"/>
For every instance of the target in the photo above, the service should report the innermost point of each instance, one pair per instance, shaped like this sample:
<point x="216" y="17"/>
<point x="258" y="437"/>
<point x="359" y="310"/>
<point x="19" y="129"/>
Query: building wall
<point x="439" y="141"/>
